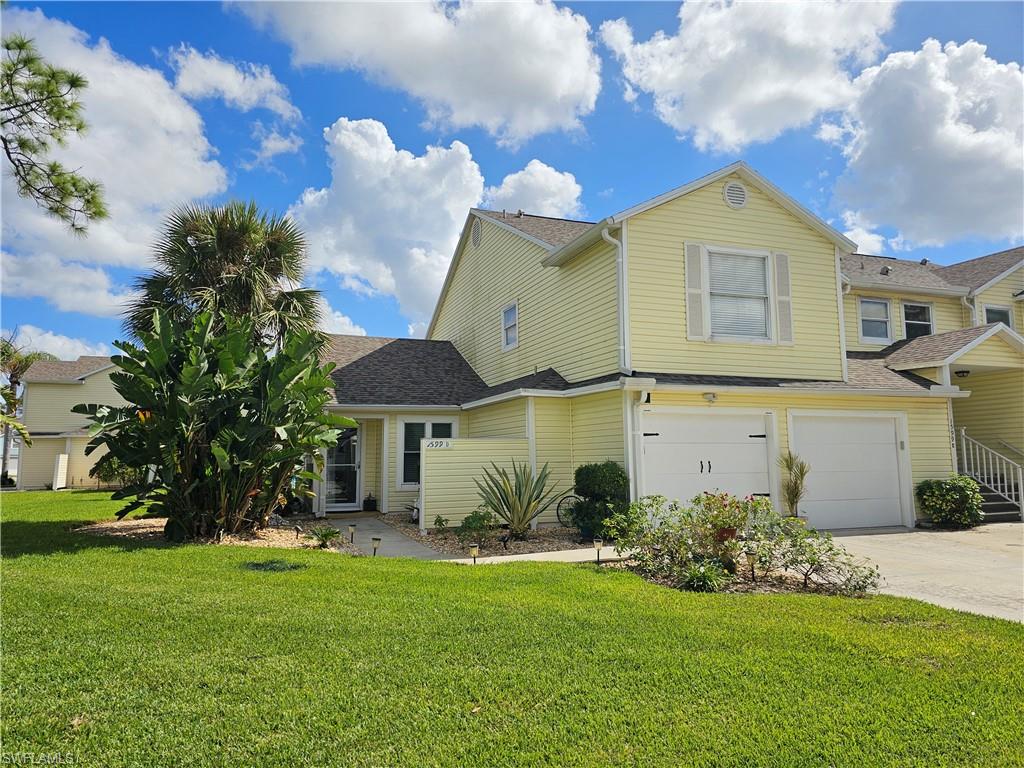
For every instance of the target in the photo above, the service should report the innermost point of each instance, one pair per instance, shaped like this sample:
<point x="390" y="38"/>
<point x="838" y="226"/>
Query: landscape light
<point x="474" y="552"/>
<point x="376" y="544"/>
<point x="598" y="543"/>
<point x="751" y="559"/>
<point x="351" y="533"/>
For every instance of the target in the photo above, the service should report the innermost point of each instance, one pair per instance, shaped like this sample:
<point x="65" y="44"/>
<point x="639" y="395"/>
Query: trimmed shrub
<point x="604" y="491"/>
<point x="954" y="502"/>
<point x="476" y="526"/>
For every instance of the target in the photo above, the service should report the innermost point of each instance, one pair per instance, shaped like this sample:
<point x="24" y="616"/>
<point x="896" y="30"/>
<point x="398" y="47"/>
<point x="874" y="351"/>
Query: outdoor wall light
<point x="751" y="559"/>
<point x="710" y="396"/>
<point x="351" y="533"/>
<point x="598" y="544"/>
<point x="376" y="544"/>
<point x="962" y="374"/>
<point x="474" y="552"/>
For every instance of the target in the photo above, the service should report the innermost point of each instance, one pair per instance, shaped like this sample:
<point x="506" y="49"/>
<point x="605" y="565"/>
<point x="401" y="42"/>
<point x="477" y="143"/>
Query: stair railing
<point x="1004" y="476"/>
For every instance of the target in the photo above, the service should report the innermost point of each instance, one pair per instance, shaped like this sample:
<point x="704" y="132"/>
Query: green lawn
<point x="124" y="654"/>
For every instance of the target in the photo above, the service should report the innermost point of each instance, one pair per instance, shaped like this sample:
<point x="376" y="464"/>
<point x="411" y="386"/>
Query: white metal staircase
<point x="1001" y="479"/>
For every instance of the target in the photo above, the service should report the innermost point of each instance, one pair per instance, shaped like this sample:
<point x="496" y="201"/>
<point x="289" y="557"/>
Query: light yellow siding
<point x="657" y="300"/>
<point x="449" y="473"/>
<point x="48" y="406"/>
<point x="597" y="428"/>
<point x="370" y="432"/>
<point x="947" y="315"/>
<point x="79" y="464"/>
<point x="995" y="409"/>
<point x="36" y="462"/>
<point x="553" y="444"/>
<point x="993" y="351"/>
<point x="567" y="315"/>
<point x="1002" y="294"/>
<point x="928" y="425"/>
<point x="507" y="419"/>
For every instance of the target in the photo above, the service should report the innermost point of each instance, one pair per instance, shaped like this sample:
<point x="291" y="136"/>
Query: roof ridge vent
<point x="519" y="213"/>
<point x="924" y="262"/>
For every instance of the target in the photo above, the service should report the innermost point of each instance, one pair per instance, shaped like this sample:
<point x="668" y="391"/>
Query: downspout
<point x="971" y="307"/>
<point x="620" y="290"/>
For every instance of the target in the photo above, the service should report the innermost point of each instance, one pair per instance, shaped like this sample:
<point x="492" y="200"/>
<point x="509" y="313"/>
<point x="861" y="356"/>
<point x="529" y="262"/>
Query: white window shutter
<point x="783" y="299"/>
<point x="696" y="327"/>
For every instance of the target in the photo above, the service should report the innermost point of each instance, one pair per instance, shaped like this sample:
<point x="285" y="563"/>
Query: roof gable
<point x="980" y="272"/>
<point x="66" y="371"/>
<point x="944" y="348"/>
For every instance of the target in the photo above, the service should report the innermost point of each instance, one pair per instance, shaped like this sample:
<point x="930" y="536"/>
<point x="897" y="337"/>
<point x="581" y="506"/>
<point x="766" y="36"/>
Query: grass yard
<point x="123" y="653"/>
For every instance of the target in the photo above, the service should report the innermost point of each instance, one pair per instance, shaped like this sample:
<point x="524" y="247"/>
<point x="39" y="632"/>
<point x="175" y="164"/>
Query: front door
<point x="341" y="473"/>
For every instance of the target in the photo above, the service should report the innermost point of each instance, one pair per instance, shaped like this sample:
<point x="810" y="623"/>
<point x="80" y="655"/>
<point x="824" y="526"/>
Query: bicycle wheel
<point x="564" y="510"/>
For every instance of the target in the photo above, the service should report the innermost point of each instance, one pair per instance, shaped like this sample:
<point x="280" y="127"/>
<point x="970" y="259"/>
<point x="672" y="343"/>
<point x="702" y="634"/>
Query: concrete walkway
<point x="980" y="570"/>
<point x="393" y="542"/>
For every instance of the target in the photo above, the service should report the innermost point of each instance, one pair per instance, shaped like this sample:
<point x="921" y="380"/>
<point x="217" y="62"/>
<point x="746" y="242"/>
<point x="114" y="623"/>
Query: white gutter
<point x="873" y="285"/>
<point x="808" y="391"/>
<point x="620" y="287"/>
<point x="516" y="393"/>
<point x="971" y="307"/>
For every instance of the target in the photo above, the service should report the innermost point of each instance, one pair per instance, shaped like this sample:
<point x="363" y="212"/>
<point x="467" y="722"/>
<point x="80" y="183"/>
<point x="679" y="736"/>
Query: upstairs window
<point x="997" y="315"/>
<point x="917" y="320"/>
<point x="874" y="321"/>
<point x="738" y="292"/>
<point x="412" y="433"/>
<point x="510" y="327"/>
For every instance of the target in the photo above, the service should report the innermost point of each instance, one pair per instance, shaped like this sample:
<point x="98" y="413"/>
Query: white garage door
<point x="855" y="478"/>
<point x="685" y="454"/>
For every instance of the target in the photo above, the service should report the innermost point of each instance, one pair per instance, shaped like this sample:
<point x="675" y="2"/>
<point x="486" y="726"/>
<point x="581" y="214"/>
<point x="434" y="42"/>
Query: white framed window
<point x="998" y="314"/>
<point x="917" y="320"/>
<point x="410" y="434"/>
<point x="510" y="326"/>
<point x="875" y="323"/>
<point x="739" y="294"/>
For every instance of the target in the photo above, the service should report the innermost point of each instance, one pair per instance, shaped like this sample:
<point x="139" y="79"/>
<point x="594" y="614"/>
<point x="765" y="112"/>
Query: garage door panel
<point x="855" y="430"/>
<point x="703" y="430"/>
<point x="850" y="485"/>
<point x="849" y="458"/>
<point x="859" y="513"/>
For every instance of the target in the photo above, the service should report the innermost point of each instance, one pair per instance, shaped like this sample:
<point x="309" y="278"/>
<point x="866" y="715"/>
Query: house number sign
<point x="439" y="443"/>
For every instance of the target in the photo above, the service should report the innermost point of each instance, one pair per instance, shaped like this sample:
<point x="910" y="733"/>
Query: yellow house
<point x="692" y="338"/>
<point x="57" y="457"/>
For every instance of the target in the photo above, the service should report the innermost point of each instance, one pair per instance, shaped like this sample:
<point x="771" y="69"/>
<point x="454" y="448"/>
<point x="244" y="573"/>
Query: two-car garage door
<point x="855" y="478"/>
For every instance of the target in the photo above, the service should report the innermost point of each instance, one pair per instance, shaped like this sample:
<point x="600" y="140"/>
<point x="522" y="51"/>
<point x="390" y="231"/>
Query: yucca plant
<point x="517" y="499"/>
<point x="794" y="484"/>
<point x="324" y="535"/>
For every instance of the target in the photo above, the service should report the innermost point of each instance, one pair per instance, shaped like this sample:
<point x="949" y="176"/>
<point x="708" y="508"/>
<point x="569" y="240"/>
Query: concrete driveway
<point x="980" y="570"/>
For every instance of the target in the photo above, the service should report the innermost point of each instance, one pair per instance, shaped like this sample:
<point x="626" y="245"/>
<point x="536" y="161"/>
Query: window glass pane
<point x="511" y="336"/>
<point x="914" y="330"/>
<point x="874" y="329"/>
<point x="874" y="310"/>
<point x="509" y="316"/>
<point x="993" y="315"/>
<point x="747" y="275"/>
<point x="411" y="467"/>
<point x="414" y="432"/>
<point x="441" y="429"/>
<point x="739" y="316"/>
<point x="917" y="313"/>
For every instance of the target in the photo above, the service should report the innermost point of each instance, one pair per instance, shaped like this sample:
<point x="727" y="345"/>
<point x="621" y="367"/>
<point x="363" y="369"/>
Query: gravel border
<point x="547" y="538"/>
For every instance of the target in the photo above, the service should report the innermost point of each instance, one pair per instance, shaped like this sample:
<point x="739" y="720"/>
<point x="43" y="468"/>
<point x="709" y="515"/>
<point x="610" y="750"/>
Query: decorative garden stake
<point x="474" y="552"/>
<point x="598" y="543"/>
<point x="351" y="533"/>
<point x="376" y="544"/>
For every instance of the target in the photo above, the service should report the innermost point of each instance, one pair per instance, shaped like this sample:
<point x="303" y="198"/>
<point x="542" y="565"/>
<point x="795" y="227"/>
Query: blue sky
<point x="919" y="158"/>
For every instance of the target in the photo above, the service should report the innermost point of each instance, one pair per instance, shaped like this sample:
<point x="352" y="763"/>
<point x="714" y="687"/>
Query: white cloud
<point x="449" y="57"/>
<point x="739" y="73"/>
<point x="63" y="347"/>
<point x="934" y="142"/>
<point x="539" y="189"/>
<point x="243" y="86"/>
<point x="867" y="240"/>
<point x="418" y="330"/>
<point x="389" y="221"/>
<point x="145" y="143"/>
<point x="271" y="145"/>
<point x="333" y="321"/>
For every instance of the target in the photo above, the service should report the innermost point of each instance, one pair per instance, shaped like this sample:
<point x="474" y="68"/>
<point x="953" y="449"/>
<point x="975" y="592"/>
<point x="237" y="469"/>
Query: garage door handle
<point x="764" y="436"/>
<point x="709" y="466"/>
<point x="702" y="467"/>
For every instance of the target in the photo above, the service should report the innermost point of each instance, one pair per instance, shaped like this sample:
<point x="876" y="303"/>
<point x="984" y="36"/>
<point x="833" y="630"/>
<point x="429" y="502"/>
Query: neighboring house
<point x="56" y="458"/>
<point x="692" y="338"/>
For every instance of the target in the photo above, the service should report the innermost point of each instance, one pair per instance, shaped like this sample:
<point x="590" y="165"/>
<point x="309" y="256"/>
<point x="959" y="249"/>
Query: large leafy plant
<point x="220" y="421"/>
<point x="517" y="499"/>
<point x="954" y="502"/>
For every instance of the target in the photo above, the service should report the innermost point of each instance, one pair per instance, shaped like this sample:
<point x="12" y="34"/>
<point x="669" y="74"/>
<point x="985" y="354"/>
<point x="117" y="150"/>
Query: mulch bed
<point x="547" y="538"/>
<point x="152" y="529"/>
<point x="777" y="584"/>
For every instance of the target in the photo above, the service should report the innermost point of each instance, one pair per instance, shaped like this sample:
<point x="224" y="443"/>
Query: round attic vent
<point x="735" y="194"/>
<point x="476" y="233"/>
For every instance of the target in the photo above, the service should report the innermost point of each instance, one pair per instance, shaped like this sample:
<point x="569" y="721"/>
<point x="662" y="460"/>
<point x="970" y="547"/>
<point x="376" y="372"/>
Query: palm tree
<point x="14" y="361"/>
<point x="229" y="258"/>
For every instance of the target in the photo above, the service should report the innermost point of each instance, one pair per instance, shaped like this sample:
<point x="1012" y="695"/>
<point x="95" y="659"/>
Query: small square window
<point x="412" y="433"/>
<point x="997" y="315"/>
<point x="874" y="320"/>
<point x="917" y="320"/>
<point x="510" y="327"/>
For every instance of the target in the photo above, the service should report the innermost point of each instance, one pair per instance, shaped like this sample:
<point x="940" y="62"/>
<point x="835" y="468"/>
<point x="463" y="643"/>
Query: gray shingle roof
<point x="902" y="273"/>
<point x="372" y="370"/>
<point x="64" y="370"/>
<point x="930" y="349"/>
<point x="976" y="272"/>
<point x="554" y="232"/>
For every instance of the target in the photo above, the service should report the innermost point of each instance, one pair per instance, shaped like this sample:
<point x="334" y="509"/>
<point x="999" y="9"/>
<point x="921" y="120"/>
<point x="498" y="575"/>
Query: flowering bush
<point x="955" y="501"/>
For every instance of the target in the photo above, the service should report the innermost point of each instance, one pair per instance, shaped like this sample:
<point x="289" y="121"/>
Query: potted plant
<point x="369" y="503"/>
<point x="724" y="514"/>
